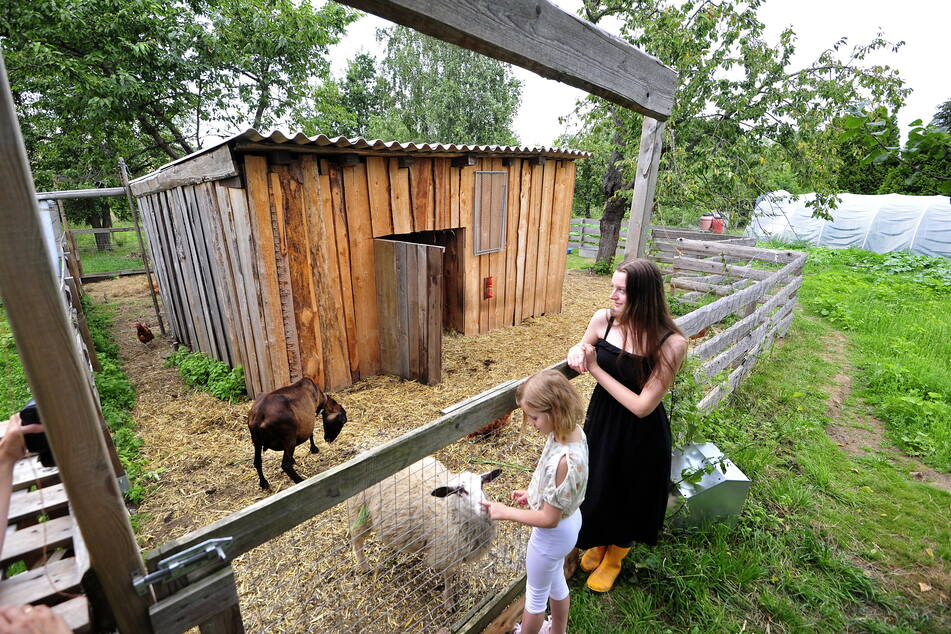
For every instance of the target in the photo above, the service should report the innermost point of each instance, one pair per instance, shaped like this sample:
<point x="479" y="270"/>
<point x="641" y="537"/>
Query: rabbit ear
<point x="491" y="475"/>
<point x="441" y="492"/>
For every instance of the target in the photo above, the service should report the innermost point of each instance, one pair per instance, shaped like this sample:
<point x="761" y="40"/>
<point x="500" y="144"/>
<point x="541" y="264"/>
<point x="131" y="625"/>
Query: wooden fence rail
<point x="585" y="233"/>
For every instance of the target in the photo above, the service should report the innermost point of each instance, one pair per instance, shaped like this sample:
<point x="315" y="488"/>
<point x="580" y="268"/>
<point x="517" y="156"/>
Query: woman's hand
<point x="590" y="356"/>
<point x="576" y="359"/>
<point x="496" y="510"/>
<point x="31" y="618"/>
<point x="12" y="445"/>
<point x="520" y="497"/>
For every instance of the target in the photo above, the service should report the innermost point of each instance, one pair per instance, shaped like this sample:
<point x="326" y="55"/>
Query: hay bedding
<point x="304" y="581"/>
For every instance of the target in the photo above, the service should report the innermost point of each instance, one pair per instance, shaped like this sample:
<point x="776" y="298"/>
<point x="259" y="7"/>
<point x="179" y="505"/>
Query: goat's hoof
<point x="264" y="484"/>
<point x="314" y="449"/>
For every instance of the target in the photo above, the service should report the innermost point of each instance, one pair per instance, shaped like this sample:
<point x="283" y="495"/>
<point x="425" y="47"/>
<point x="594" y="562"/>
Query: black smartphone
<point x="36" y="443"/>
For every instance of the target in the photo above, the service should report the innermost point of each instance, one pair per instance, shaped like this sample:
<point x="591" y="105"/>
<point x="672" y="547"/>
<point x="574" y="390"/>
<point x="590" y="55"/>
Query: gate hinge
<point x="182" y="563"/>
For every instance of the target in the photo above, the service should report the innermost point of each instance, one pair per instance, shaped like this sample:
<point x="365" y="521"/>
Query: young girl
<point x="553" y="408"/>
<point x="633" y="350"/>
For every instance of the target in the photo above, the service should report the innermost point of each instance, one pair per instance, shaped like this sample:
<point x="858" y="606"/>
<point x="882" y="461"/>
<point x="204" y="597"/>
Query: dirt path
<point x="863" y="434"/>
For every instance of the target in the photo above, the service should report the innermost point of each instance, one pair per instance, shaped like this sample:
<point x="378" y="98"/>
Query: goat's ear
<point x="491" y="475"/>
<point x="441" y="492"/>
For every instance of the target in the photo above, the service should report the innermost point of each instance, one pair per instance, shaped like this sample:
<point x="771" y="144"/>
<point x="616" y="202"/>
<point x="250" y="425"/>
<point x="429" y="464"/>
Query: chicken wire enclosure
<point x="309" y="579"/>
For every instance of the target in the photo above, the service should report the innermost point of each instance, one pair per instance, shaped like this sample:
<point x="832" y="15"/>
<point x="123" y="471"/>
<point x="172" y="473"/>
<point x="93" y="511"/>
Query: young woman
<point x="633" y="350"/>
<point x="553" y="408"/>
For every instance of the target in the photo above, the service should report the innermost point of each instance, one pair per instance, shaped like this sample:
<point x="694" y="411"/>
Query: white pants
<point x="545" y="560"/>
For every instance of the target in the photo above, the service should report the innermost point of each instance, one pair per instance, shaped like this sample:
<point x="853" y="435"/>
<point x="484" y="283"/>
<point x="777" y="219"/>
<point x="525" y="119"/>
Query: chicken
<point x="143" y="333"/>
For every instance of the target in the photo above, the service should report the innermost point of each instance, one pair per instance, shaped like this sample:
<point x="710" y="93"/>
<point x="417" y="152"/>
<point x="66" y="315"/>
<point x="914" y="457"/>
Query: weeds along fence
<point x="290" y="565"/>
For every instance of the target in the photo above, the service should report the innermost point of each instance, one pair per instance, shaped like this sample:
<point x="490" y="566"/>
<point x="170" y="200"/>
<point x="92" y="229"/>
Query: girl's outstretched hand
<point x="496" y="510"/>
<point x="520" y="497"/>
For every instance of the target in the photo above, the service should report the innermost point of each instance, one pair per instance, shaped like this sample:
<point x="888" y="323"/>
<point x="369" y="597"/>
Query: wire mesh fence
<point x="430" y="560"/>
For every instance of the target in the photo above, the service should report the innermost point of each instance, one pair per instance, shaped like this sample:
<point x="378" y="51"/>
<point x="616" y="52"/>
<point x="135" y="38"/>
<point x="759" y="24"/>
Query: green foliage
<point x="117" y="397"/>
<point x="209" y="375"/>
<point x="745" y="120"/>
<point x="438" y="92"/>
<point x="895" y="308"/>
<point x="148" y="78"/>
<point x="855" y="176"/>
<point x="16" y="391"/>
<point x="605" y="268"/>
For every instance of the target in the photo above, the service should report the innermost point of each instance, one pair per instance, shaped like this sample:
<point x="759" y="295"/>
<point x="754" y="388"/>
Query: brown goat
<point x="282" y="419"/>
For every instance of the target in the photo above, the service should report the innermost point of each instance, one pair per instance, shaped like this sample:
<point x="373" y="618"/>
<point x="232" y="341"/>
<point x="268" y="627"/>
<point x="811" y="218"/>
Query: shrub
<point x="209" y="375"/>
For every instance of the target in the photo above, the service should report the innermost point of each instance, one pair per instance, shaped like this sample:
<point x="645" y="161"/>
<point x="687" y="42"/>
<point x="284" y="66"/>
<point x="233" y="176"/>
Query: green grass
<point x="820" y="537"/>
<point x="124" y="244"/>
<point x="209" y="375"/>
<point x="896" y="309"/>
<point x="15" y="391"/>
<point x="826" y="542"/>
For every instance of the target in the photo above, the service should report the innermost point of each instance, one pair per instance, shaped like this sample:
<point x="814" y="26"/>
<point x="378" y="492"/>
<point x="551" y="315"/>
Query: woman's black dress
<point x="629" y="459"/>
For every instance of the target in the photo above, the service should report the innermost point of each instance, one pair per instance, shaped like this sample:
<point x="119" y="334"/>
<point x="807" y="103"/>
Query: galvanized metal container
<point x="718" y="495"/>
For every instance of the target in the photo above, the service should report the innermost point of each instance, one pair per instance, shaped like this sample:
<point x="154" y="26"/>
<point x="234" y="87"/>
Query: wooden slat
<point x="544" y="39"/>
<point x="224" y="276"/>
<point x="531" y="251"/>
<point x="558" y="237"/>
<point x="193" y="295"/>
<point x="387" y="308"/>
<point x="713" y="266"/>
<point x="454" y="192"/>
<point x="414" y="329"/>
<point x="378" y="184"/>
<point x="422" y="194"/>
<point x="300" y="270"/>
<point x="291" y="343"/>
<point x="153" y="216"/>
<point x="175" y="240"/>
<point x="434" y="314"/>
<point x="343" y="263"/>
<point x="240" y="319"/>
<point x="34" y="586"/>
<point x="29" y="472"/>
<point x="259" y="210"/>
<point x="544" y="237"/>
<point x="323" y="246"/>
<point x="37" y="538"/>
<point x="441" y="190"/>
<point x="697" y="320"/>
<point x="729" y="356"/>
<point x="722" y="340"/>
<point x="25" y="504"/>
<point x="721" y="248"/>
<point x="470" y="261"/>
<point x="241" y="223"/>
<point x="453" y="285"/>
<point x="217" y="335"/>
<point x="402" y="253"/>
<point x="400" y="197"/>
<point x="496" y="258"/>
<point x="286" y="509"/>
<point x="196" y="603"/>
<point x="511" y="243"/>
<point x="362" y="268"/>
<point x="521" y="246"/>
<point x="212" y="165"/>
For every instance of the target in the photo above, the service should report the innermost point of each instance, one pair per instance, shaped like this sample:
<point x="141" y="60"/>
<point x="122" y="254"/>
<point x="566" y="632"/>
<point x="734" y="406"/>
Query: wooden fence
<point x="92" y="277"/>
<point x="585" y="233"/>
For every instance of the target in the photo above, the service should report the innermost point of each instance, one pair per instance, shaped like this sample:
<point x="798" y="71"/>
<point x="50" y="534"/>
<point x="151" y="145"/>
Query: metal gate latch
<point x="182" y="563"/>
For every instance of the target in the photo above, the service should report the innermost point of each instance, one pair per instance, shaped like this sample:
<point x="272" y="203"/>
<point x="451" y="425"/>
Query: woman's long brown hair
<point x="645" y="315"/>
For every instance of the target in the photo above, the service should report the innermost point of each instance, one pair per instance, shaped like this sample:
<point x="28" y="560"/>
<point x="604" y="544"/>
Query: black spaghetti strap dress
<point x="629" y="459"/>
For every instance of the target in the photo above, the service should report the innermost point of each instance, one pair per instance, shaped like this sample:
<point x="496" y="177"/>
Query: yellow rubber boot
<point x="592" y="557"/>
<point x="602" y="579"/>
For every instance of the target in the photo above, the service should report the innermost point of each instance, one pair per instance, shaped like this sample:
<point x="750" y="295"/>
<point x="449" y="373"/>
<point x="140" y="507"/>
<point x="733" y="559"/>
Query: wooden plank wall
<point x="410" y="304"/>
<point x="275" y="271"/>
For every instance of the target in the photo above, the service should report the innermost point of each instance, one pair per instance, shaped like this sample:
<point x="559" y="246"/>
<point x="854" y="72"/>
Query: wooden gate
<point x="409" y="292"/>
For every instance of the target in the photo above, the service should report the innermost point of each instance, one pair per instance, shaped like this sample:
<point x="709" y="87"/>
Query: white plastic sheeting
<point x="891" y="222"/>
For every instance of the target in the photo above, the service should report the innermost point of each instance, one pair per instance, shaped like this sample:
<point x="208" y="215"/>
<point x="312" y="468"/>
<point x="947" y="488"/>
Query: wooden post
<point x="57" y="378"/>
<point x="645" y="181"/>
<point x="133" y="206"/>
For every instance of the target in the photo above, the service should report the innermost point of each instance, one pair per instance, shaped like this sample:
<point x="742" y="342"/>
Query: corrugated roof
<point x="359" y="143"/>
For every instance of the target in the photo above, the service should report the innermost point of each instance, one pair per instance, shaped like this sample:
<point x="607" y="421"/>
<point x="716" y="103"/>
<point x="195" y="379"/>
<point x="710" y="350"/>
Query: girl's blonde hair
<point x="550" y="392"/>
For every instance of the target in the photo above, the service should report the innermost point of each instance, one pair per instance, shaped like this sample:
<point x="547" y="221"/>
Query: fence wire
<point x="431" y="561"/>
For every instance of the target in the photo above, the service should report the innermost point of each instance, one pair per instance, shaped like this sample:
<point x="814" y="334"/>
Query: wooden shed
<point x="342" y="258"/>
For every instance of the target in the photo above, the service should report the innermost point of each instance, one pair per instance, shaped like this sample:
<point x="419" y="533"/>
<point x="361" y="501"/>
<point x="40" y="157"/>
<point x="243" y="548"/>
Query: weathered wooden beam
<point x="195" y="604"/>
<point x="103" y="230"/>
<point x="37" y="315"/>
<point x="76" y="194"/>
<point x="726" y="358"/>
<point x="714" y="266"/>
<point x="645" y="182"/>
<point x="751" y="253"/>
<point x="201" y="167"/>
<point x="546" y="40"/>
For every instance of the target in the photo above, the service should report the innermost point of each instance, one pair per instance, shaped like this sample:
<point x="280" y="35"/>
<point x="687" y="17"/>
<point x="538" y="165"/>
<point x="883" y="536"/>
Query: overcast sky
<point x="924" y="61"/>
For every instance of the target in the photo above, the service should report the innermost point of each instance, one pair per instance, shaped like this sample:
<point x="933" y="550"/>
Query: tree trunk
<point x="615" y="204"/>
<point x="102" y="219"/>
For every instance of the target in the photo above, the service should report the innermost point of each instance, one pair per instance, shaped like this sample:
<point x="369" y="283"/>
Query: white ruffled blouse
<point x="569" y="495"/>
